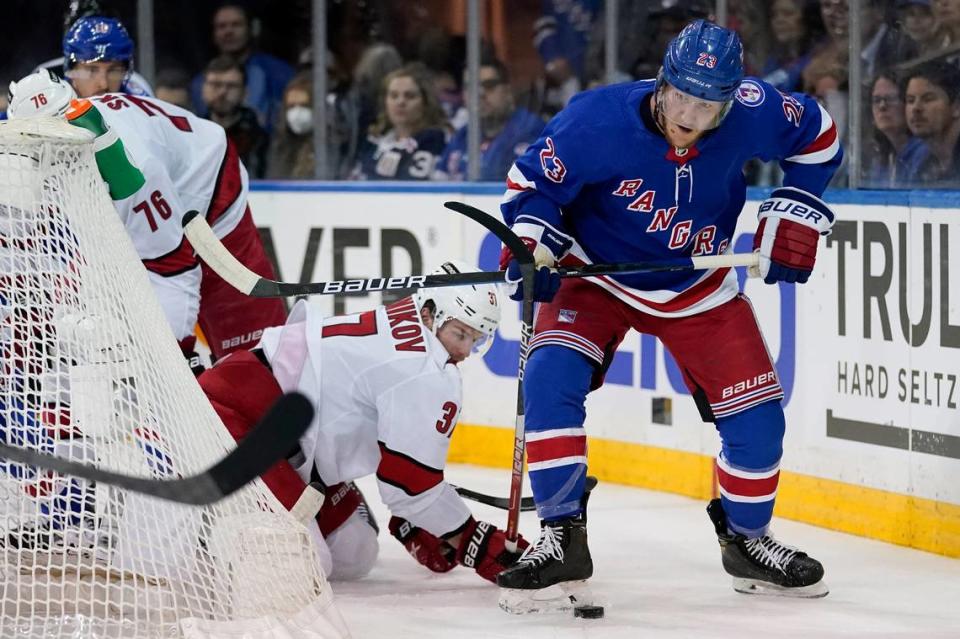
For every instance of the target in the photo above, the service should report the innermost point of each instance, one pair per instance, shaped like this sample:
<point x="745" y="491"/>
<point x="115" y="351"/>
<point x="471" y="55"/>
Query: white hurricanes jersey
<point x="387" y="400"/>
<point x="187" y="166"/>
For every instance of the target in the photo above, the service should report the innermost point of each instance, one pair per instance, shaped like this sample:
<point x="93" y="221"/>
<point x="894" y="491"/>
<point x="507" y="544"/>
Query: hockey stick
<point x="217" y="257"/>
<point x="267" y="443"/>
<point x="224" y="264"/>
<point x="526" y="504"/>
<point x="527" y="271"/>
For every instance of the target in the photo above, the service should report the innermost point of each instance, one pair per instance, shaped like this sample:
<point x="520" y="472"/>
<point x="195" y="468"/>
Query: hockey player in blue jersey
<point x="98" y="58"/>
<point x="651" y="170"/>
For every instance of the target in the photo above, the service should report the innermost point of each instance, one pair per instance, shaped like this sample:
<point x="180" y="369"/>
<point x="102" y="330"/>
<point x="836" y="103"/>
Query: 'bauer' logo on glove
<point x="791" y="223"/>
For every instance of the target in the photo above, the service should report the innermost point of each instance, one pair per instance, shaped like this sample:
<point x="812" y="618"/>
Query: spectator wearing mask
<point x="266" y="76"/>
<point x="223" y="91"/>
<point x="408" y="135"/>
<point x="890" y="141"/>
<point x="505" y="130"/>
<point x="932" y="95"/>
<point x="291" y="148"/>
<point x="796" y="28"/>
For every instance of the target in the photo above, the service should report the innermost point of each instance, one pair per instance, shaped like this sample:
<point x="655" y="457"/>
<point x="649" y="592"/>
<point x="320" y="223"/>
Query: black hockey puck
<point x="588" y="612"/>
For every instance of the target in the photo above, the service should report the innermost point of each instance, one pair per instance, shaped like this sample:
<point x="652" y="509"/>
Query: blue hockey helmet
<point x="97" y="38"/>
<point x="704" y="61"/>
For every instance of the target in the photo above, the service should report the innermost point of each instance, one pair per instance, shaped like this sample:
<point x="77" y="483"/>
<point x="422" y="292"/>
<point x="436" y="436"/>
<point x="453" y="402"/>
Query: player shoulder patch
<point x="750" y="93"/>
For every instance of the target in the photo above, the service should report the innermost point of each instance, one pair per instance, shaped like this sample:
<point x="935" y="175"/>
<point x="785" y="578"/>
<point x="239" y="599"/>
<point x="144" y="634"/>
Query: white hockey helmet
<point x="476" y="305"/>
<point x="40" y="93"/>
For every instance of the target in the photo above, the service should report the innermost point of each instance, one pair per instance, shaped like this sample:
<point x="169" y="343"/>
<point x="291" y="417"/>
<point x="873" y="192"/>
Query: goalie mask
<point x="40" y="93"/>
<point x="476" y="305"/>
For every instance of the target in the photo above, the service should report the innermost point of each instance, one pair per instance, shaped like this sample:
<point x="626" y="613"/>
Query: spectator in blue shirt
<point x="266" y="75"/>
<point x="505" y="130"/>
<point x="932" y="95"/>
<point x="890" y="142"/>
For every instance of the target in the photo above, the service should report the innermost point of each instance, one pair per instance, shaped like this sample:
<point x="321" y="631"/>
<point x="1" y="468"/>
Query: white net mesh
<point x="91" y="372"/>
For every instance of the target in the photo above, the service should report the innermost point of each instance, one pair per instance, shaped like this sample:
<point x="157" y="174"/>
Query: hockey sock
<point x="556" y="384"/>
<point x="748" y="467"/>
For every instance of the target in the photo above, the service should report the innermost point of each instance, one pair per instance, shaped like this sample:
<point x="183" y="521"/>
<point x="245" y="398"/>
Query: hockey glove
<point x="483" y="548"/>
<point x="547" y="247"/>
<point x="791" y="223"/>
<point x="432" y="552"/>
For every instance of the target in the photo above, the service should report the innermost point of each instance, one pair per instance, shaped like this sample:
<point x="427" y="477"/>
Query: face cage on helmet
<point x="480" y="346"/>
<point x="691" y="119"/>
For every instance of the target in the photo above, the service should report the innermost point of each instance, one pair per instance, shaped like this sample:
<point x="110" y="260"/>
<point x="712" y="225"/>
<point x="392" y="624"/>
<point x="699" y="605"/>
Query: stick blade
<point x="269" y="442"/>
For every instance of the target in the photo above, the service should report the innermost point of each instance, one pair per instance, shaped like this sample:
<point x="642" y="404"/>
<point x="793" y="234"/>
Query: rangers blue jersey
<point x="387" y="157"/>
<point x="602" y="175"/>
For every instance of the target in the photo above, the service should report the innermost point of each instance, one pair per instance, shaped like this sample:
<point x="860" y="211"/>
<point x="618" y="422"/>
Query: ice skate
<point x="551" y="575"/>
<point x="764" y="566"/>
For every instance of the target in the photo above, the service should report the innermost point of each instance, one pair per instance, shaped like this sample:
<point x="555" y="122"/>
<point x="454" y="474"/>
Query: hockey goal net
<point x="90" y="371"/>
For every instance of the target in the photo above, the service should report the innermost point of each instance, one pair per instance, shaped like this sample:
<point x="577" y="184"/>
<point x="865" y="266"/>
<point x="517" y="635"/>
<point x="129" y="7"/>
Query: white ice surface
<point x="657" y="570"/>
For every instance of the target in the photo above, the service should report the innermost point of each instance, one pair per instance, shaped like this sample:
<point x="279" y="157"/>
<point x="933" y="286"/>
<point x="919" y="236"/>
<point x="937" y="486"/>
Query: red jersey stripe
<point x="177" y="261"/>
<point x="406" y="473"/>
<point x="228" y="186"/>
<point x="513" y="186"/>
<point x="823" y="141"/>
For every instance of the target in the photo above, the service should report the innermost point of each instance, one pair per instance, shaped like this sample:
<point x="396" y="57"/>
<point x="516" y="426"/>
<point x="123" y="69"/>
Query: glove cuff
<point x="797" y="205"/>
<point x="473" y="544"/>
<point x="401" y="529"/>
<point x="551" y="243"/>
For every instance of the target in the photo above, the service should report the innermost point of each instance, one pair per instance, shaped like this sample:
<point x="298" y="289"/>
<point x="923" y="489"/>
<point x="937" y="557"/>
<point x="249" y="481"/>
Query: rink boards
<point x="868" y="351"/>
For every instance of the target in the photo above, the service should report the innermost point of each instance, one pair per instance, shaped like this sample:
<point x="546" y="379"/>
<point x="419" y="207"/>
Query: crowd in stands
<point x="396" y="81"/>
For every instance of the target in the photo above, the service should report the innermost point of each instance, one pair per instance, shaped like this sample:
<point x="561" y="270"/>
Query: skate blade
<point x="755" y="587"/>
<point x="560" y="597"/>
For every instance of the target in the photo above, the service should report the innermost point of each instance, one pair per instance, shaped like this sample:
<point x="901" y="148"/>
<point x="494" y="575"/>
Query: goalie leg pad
<point x="241" y="390"/>
<point x="354" y="549"/>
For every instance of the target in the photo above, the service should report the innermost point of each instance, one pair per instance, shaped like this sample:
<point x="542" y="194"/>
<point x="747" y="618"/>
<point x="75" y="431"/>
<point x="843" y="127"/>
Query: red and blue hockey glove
<point x="791" y="223"/>
<point x="547" y="247"/>
<point x="483" y="547"/>
<point x="432" y="552"/>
